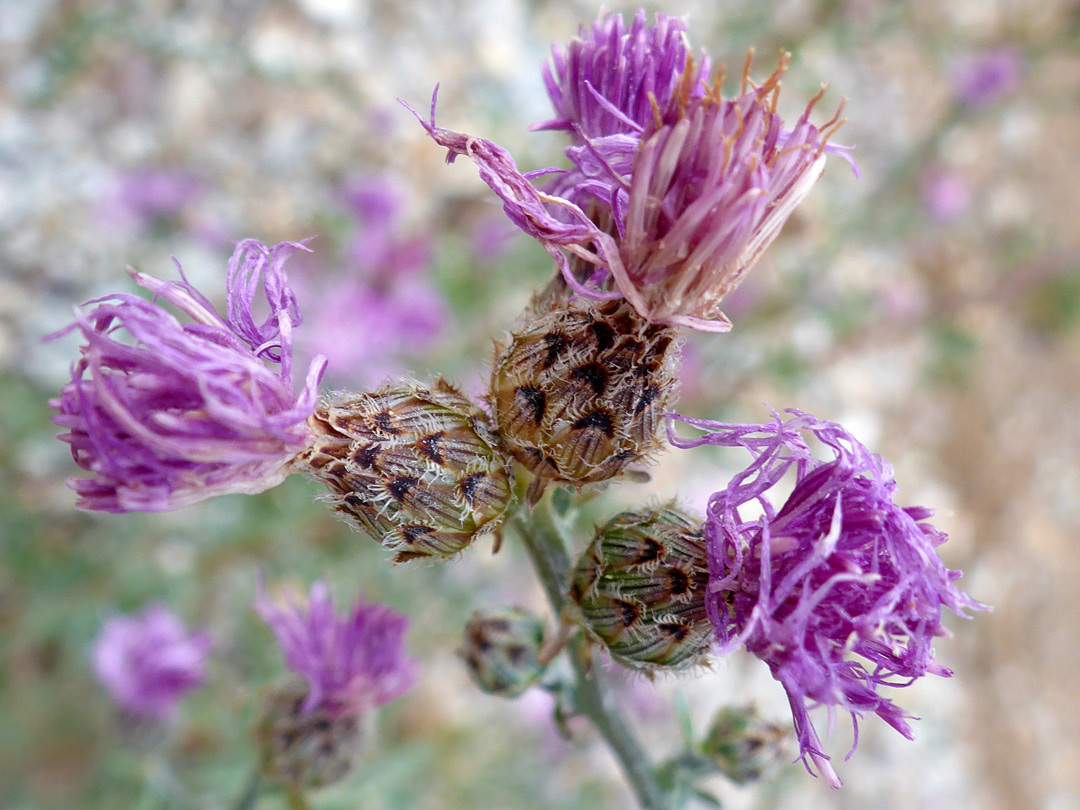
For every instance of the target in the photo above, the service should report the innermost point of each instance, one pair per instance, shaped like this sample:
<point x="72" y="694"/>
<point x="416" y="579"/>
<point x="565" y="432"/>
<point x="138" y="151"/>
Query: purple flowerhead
<point x="946" y="193"/>
<point x="609" y="80"/>
<point x="164" y="414"/>
<point x="149" y="661"/>
<point x="374" y="201"/>
<point x="351" y="662"/>
<point x="838" y="589"/>
<point x="988" y="77"/>
<point x="672" y="213"/>
<point x="136" y="197"/>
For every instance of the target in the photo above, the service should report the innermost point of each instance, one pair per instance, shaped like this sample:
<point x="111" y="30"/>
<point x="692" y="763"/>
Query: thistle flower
<point x="165" y="414"/>
<point x="671" y="214"/>
<point x="839" y="590"/>
<point x="149" y="661"/>
<point x="308" y="734"/>
<point x="351" y="662"/>
<point x="609" y="80"/>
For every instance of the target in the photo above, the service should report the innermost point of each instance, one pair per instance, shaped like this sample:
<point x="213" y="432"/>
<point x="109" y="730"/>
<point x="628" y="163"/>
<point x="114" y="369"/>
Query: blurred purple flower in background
<point x="988" y="77"/>
<point x="375" y="201"/>
<point x="839" y="590"/>
<point x="173" y="413"/>
<point x="490" y="238"/>
<point x="946" y="194"/>
<point x="351" y="662"/>
<point x="149" y="661"/>
<point x="134" y="198"/>
<point x="383" y="309"/>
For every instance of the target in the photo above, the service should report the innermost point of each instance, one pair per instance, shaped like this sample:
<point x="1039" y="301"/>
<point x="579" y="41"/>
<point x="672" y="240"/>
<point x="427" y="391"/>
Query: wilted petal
<point x="165" y="414"/>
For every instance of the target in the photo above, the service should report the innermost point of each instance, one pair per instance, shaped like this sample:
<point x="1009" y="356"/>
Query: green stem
<point x="547" y="551"/>
<point x="251" y="792"/>
<point x="295" y="799"/>
<point x="596" y="701"/>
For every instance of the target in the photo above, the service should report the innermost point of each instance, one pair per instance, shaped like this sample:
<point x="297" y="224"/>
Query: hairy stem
<point x="547" y="551"/>
<point x="596" y="702"/>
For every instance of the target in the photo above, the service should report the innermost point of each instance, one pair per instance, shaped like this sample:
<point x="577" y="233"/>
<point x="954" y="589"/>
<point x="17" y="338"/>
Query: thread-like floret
<point x="351" y="662"/>
<point x="839" y="590"/>
<point x="164" y="414"/>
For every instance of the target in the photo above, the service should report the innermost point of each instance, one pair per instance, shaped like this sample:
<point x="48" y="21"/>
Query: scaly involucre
<point x="351" y="662"/>
<point x="165" y="414"/>
<point x="674" y="192"/>
<point x="839" y="590"/>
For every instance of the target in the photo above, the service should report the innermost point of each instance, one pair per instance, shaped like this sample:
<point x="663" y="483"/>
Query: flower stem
<point x="295" y="799"/>
<point x="547" y="550"/>
<point x="251" y="792"/>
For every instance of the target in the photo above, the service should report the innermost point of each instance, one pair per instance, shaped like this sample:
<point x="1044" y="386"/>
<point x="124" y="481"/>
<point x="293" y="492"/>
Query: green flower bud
<point x="743" y="746"/>
<point x="305" y="750"/>
<point x="579" y="393"/>
<point x="419" y="469"/>
<point x="501" y="649"/>
<point x="641" y="588"/>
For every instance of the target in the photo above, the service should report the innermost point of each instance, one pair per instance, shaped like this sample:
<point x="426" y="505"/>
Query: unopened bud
<point x="742" y="745"/>
<point x="579" y="393"/>
<point x="501" y="649"/>
<point x="303" y="749"/>
<point x="420" y="469"/>
<point x="641" y="588"/>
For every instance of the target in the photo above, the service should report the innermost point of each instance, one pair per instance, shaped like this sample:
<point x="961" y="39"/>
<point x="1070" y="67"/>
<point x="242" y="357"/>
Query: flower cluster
<point x="674" y="191"/>
<point x="149" y="661"/>
<point x="838" y="589"/>
<point x="669" y="197"/>
<point x="164" y="414"/>
<point x="350" y="663"/>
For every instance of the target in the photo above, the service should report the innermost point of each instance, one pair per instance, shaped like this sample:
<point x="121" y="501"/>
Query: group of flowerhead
<point x="671" y="194"/>
<point x="309" y="725"/>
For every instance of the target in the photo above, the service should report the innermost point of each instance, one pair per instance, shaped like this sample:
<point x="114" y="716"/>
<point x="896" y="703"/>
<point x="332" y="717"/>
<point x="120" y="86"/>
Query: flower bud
<point x="744" y="746"/>
<point x="304" y="749"/>
<point x="502" y="650"/>
<point x="578" y="394"/>
<point x="641" y="588"/>
<point x="419" y="469"/>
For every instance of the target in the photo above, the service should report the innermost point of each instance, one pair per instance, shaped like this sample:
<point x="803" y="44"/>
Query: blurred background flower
<point x="940" y="325"/>
<point x="149" y="661"/>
